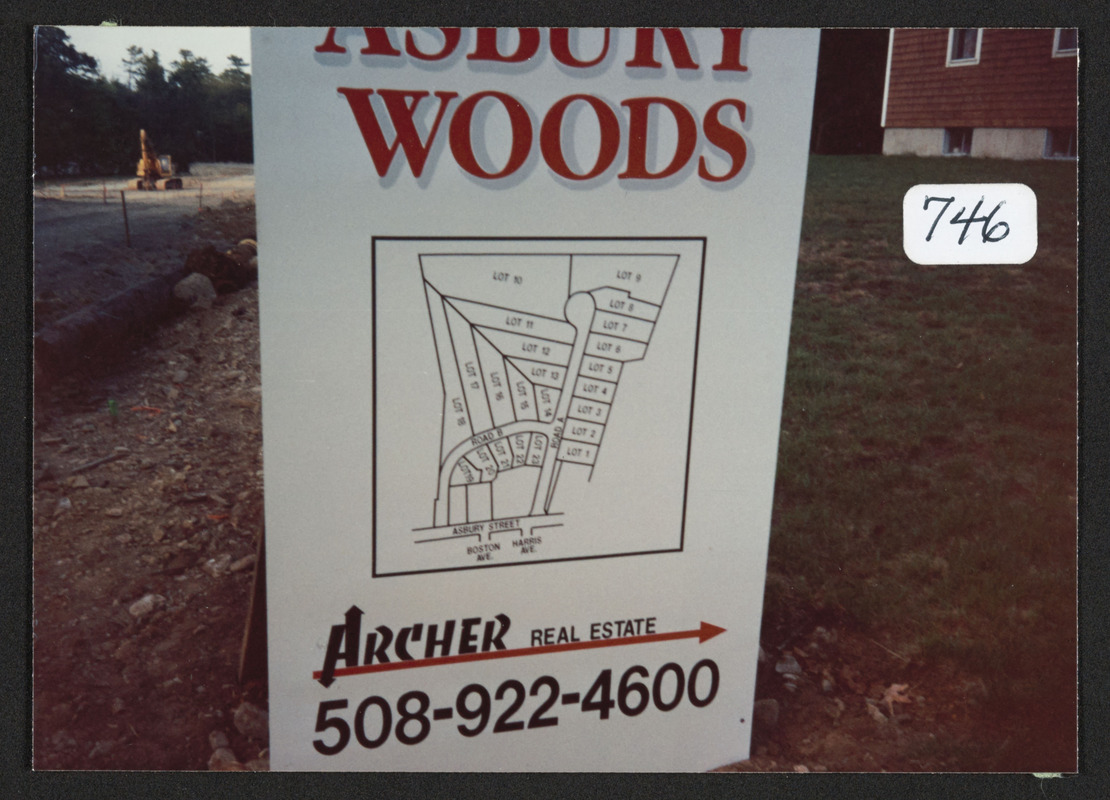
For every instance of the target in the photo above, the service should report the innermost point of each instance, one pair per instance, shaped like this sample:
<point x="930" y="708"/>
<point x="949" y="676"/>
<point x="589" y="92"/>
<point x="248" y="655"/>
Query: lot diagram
<point x="548" y="440"/>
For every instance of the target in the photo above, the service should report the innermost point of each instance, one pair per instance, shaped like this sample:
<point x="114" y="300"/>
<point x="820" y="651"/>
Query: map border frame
<point x="374" y="570"/>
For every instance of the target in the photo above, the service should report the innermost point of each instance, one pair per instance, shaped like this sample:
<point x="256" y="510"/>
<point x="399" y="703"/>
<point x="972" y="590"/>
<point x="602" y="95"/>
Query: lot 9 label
<point x="511" y="706"/>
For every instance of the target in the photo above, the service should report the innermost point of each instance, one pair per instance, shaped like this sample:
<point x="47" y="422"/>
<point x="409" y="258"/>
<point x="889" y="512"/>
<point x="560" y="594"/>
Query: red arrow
<point x="702" y="634"/>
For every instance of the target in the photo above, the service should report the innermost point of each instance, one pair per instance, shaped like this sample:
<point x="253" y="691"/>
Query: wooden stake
<point x="252" y="653"/>
<point x="126" y="227"/>
<point x="97" y="462"/>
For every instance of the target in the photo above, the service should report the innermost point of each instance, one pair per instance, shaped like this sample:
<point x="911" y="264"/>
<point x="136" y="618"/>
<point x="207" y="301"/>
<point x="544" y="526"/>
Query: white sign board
<point x="525" y="308"/>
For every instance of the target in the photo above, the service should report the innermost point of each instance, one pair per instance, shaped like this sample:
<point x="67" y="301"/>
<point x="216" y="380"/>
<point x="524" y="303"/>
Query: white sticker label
<point x="969" y="223"/>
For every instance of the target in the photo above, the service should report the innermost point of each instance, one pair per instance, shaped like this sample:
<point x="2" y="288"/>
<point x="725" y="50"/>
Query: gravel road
<point x="81" y="253"/>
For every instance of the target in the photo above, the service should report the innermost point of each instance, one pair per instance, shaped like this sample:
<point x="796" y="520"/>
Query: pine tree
<point x="132" y="63"/>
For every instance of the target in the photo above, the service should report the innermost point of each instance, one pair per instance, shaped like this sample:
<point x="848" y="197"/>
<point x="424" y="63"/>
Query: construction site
<point x="147" y="469"/>
<point x="919" y="607"/>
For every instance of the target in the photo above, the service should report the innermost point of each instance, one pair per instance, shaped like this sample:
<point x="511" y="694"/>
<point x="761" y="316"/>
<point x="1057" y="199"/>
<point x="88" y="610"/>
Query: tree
<point x="85" y="122"/>
<point x="190" y="83"/>
<point x="152" y="76"/>
<point x="62" y="75"/>
<point x="190" y="73"/>
<point x="153" y="103"/>
<point x="132" y="63"/>
<point x="55" y="56"/>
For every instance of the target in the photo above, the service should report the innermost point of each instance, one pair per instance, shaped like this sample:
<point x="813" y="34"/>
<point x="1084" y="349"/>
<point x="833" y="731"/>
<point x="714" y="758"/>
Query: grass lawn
<point x="926" y="485"/>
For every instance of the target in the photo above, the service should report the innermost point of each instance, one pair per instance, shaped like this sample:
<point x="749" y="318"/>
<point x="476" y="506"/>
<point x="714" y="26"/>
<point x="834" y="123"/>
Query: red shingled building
<point x="991" y="93"/>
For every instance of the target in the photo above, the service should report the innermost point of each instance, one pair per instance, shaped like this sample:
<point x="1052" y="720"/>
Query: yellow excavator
<point x="155" y="171"/>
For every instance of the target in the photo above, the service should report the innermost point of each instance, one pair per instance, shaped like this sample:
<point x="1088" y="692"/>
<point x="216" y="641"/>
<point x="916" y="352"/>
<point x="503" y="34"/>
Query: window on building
<point x="957" y="141"/>
<point x="1061" y="143"/>
<point x="1066" y="42"/>
<point x="964" y="45"/>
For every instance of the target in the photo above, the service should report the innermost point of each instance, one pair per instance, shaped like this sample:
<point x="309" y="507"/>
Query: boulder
<point x="195" y="291"/>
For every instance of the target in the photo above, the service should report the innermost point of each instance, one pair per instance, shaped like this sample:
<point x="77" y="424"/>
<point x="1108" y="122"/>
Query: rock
<point x="243" y="563"/>
<point x="218" y="739"/>
<point x="65" y="504"/>
<point x="765" y="715"/>
<point x="80" y="482"/>
<point x="835" y="709"/>
<point x="101" y="748"/>
<point x="178" y="563"/>
<point x="113" y="512"/>
<point x="788" y="665"/>
<point x="827" y="685"/>
<point x="824" y="636"/>
<point x="225" y="272"/>
<point x="801" y="768"/>
<point x="145" y="604"/>
<point x="252" y="721"/>
<point x="62" y="740"/>
<point x="258" y="765"/>
<point x="180" y="376"/>
<point x="216" y="567"/>
<point x="875" y="713"/>
<point x="224" y="760"/>
<point x="242" y="253"/>
<point x="45" y="472"/>
<point x="117" y="705"/>
<point x="196" y="291"/>
<point x="975" y="690"/>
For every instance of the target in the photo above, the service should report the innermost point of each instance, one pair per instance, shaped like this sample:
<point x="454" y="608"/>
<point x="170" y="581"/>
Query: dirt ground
<point x="148" y="515"/>
<point x="143" y="562"/>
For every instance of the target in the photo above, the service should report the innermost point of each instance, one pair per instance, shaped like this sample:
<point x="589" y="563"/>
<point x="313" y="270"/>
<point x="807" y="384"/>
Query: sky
<point x="108" y="45"/>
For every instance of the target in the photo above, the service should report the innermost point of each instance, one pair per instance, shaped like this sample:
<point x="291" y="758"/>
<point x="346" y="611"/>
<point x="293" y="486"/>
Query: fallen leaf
<point x="849" y="676"/>
<point x="895" y="693"/>
<point x="874" y="711"/>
